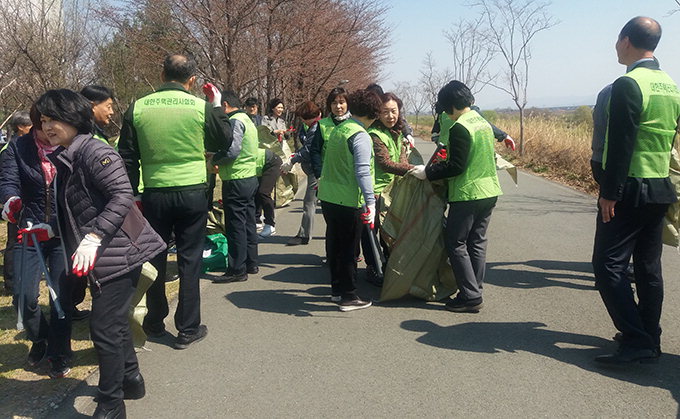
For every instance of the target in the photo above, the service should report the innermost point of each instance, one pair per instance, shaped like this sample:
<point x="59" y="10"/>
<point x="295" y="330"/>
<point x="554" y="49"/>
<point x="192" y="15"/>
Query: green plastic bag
<point x="215" y="253"/>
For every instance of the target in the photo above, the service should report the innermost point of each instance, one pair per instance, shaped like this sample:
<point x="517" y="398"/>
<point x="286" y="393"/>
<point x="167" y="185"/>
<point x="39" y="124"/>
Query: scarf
<point x="341" y="118"/>
<point x="48" y="169"/>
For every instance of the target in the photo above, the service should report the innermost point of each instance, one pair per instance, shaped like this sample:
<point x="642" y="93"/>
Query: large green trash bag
<point x="413" y="230"/>
<point x="215" y="253"/>
<point x="138" y="307"/>
<point x="671" y="229"/>
<point x="286" y="185"/>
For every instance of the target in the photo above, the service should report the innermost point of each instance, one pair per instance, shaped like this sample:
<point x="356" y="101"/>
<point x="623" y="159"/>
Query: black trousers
<point x="267" y="182"/>
<point x="238" y="196"/>
<point x="637" y="232"/>
<point x="183" y="212"/>
<point x="466" y="227"/>
<point x="8" y="263"/>
<point x="343" y="232"/>
<point x="110" y="332"/>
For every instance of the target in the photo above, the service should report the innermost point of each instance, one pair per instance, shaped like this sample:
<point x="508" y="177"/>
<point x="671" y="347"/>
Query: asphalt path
<point x="277" y="347"/>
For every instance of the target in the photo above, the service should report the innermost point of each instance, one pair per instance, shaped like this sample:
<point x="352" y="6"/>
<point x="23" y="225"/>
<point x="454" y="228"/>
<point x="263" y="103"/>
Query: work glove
<point x="441" y="154"/>
<point x="41" y="232"/>
<point x="368" y="217"/>
<point x="212" y="94"/>
<point x="138" y="202"/>
<point x="410" y="141"/>
<point x="509" y="142"/>
<point x="419" y="172"/>
<point x="286" y="166"/>
<point x="86" y="255"/>
<point x="11" y="209"/>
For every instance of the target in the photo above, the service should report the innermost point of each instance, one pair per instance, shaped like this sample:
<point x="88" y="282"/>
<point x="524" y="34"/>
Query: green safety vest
<point x="170" y="126"/>
<point x="245" y="165"/>
<point x="338" y="183"/>
<point x="326" y="126"/>
<point x="658" y="120"/>
<point x="261" y="154"/>
<point x="479" y="180"/>
<point x="382" y="178"/>
<point x="445" y="124"/>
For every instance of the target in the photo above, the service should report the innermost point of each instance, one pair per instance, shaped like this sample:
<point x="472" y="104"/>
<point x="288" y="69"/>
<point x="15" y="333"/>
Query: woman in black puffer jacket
<point x="105" y="234"/>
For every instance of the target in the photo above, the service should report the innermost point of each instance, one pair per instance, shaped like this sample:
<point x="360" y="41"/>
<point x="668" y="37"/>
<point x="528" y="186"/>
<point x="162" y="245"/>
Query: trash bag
<point x="138" y="307"/>
<point x="671" y="231"/>
<point x="215" y="253"/>
<point x="286" y="185"/>
<point x="216" y="221"/>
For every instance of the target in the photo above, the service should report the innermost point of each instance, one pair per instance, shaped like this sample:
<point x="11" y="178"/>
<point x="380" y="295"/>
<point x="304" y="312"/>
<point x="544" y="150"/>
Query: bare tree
<point x="432" y="79"/>
<point x="472" y="53"/>
<point x="676" y="10"/>
<point x="414" y="99"/>
<point x="512" y="25"/>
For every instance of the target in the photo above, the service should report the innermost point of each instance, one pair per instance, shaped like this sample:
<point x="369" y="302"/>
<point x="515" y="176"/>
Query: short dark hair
<point x="66" y="106"/>
<point x="455" y="95"/>
<point x="231" y="98"/>
<point x="364" y="103"/>
<point x="376" y="88"/>
<point x="20" y="118"/>
<point x="307" y="110"/>
<point x="643" y="32"/>
<point x="179" y="68"/>
<point x="251" y="101"/>
<point x="96" y="94"/>
<point x="333" y="94"/>
<point x="399" y="125"/>
<point x="272" y="104"/>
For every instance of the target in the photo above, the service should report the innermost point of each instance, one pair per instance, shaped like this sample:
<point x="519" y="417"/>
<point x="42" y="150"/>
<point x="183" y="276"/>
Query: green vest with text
<point x="245" y="165"/>
<point x="382" y="178"/>
<point x="326" y="126"/>
<point x="338" y="183"/>
<point x="658" y="121"/>
<point x="479" y="180"/>
<point x="170" y="126"/>
<point x="445" y="124"/>
<point x="261" y="154"/>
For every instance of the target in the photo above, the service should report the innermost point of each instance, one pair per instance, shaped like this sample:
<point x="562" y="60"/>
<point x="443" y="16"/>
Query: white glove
<point x="419" y="172"/>
<point x="509" y="142"/>
<point x="213" y="94"/>
<point x="286" y="166"/>
<point x="410" y="141"/>
<point x="86" y="254"/>
<point x="11" y="209"/>
<point x="369" y="216"/>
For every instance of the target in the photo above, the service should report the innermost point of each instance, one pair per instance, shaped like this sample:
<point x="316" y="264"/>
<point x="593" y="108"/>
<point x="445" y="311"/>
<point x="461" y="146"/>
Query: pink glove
<point x="42" y="233"/>
<point x="212" y="94"/>
<point x="509" y="143"/>
<point x="368" y="217"/>
<point x="11" y="208"/>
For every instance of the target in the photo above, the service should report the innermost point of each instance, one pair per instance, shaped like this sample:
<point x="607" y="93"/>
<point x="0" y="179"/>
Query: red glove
<point x="441" y="154"/>
<point x="138" y="203"/>
<point x="368" y="217"/>
<point x="212" y="94"/>
<point x="11" y="208"/>
<point x="41" y="232"/>
<point x="509" y="143"/>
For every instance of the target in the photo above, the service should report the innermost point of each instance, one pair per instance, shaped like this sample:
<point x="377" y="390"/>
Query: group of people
<point x="87" y="213"/>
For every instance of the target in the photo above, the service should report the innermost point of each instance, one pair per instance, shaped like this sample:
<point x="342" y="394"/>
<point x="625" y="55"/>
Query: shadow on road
<point x="570" y="348"/>
<point x="554" y="273"/>
<point x="294" y="302"/>
<point x="540" y="205"/>
<point x="272" y="260"/>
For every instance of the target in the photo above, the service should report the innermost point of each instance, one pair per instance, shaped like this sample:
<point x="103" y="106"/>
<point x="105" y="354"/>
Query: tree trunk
<point x="521" y="131"/>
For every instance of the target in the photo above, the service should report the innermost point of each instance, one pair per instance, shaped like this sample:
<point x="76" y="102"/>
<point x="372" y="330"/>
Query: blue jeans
<point x="27" y="274"/>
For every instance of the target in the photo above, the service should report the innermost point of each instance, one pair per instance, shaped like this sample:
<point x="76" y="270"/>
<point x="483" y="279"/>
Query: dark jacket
<point x="94" y="196"/>
<point x="302" y="155"/>
<point x="22" y="176"/>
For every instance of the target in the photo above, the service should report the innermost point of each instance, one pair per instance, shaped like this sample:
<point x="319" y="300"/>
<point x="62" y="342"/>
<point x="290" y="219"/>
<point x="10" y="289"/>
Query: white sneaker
<point x="267" y="231"/>
<point x="259" y="227"/>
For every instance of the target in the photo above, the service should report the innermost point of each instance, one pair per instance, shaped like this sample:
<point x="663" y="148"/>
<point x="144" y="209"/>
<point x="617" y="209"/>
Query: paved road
<point x="278" y="348"/>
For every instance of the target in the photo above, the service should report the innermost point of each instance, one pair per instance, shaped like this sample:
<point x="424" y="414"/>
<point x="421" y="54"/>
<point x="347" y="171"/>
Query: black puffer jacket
<point x="95" y="196"/>
<point x="22" y="176"/>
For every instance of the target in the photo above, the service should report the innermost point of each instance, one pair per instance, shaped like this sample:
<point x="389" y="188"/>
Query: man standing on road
<point x="635" y="192"/>
<point x="169" y="132"/>
<point x="238" y="171"/>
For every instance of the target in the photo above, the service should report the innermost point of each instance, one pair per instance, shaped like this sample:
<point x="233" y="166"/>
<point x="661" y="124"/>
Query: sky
<point x="570" y="62"/>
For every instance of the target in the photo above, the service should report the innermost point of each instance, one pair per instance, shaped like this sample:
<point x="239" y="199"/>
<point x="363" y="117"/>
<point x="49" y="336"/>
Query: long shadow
<point x="273" y="259"/>
<point x="570" y="348"/>
<point x="538" y="205"/>
<point x="292" y="302"/>
<point x="575" y="275"/>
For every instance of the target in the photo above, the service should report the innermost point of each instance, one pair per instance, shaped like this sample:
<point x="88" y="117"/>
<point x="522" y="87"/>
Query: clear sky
<point x="570" y="63"/>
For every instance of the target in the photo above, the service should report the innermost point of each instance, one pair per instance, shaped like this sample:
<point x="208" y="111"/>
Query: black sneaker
<point x="184" y="340"/>
<point x="626" y="355"/>
<point x="459" y="304"/>
<point x="229" y="277"/>
<point x="297" y="240"/>
<point x="253" y="270"/>
<point x="134" y="388"/>
<point x="115" y="412"/>
<point x="353" y="304"/>
<point x="80" y="314"/>
<point x="58" y="367"/>
<point x="37" y="353"/>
